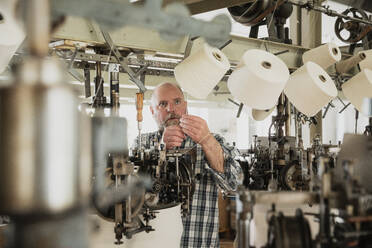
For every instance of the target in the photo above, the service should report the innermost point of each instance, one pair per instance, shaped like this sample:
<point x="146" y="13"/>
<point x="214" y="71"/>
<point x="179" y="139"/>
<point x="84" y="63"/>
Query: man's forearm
<point x="214" y="153"/>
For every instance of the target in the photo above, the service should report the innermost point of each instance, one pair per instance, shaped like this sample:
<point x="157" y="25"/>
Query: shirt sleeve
<point x="232" y="176"/>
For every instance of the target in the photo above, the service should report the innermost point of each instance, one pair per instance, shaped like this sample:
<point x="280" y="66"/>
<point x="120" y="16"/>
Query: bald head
<point x="167" y="103"/>
<point x="166" y="86"/>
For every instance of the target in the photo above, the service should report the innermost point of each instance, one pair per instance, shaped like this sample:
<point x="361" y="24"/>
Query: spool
<point x="199" y="73"/>
<point x="260" y="115"/>
<point x="324" y="55"/>
<point x="366" y="63"/>
<point x="358" y="88"/>
<point x="258" y="80"/>
<point x="310" y="88"/>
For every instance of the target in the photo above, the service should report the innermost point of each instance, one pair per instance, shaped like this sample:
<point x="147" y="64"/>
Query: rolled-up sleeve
<point x="232" y="176"/>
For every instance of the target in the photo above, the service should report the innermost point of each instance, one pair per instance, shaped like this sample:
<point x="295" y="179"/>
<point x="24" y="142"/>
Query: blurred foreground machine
<point x="44" y="159"/>
<point x="344" y="197"/>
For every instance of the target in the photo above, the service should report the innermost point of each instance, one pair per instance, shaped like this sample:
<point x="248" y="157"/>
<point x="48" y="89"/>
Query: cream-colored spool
<point x="310" y="88"/>
<point x="199" y="73"/>
<point x="259" y="79"/>
<point x="358" y="88"/>
<point x="367" y="62"/>
<point x="260" y="115"/>
<point x="11" y="32"/>
<point x="324" y="55"/>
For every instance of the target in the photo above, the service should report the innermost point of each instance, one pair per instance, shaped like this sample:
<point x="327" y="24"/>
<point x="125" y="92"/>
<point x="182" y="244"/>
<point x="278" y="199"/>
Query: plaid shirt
<point x="200" y="227"/>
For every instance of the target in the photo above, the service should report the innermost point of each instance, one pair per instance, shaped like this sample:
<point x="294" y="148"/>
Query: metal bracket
<point x="122" y="60"/>
<point x="327" y="108"/>
<point x="345" y="105"/>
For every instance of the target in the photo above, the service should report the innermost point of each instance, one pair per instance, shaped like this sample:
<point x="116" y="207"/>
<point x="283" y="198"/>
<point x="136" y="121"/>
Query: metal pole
<point x="37" y="19"/>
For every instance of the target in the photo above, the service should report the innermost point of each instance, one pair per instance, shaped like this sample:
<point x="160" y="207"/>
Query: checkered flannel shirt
<point x="200" y="227"/>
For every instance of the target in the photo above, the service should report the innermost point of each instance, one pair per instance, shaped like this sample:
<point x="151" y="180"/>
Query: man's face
<point x="169" y="106"/>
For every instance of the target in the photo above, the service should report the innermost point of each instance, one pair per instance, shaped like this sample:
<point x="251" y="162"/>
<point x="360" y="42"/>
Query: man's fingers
<point x="189" y="127"/>
<point x="173" y="139"/>
<point x="170" y="145"/>
<point x="189" y="133"/>
<point x="192" y="120"/>
<point x="174" y="127"/>
<point x="174" y="132"/>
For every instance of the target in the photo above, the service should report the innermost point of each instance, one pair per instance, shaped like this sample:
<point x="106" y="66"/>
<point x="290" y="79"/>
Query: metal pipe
<point x="324" y="210"/>
<point x="37" y="19"/>
<point x="288" y="114"/>
<point x="128" y="204"/>
<point x="327" y="11"/>
<point x="114" y="87"/>
<point x="98" y="81"/>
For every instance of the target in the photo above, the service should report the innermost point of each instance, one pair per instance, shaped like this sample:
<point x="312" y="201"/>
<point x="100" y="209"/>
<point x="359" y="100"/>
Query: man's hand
<point x="173" y="136"/>
<point x="196" y="128"/>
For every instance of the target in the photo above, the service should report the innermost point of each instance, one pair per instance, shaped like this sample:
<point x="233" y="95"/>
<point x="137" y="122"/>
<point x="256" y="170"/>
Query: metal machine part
<point x="289" y="232"/>
<point x="99" y="100"/>
<point x="247" y="199"/>
<point x="360" y="4"/>
<point x="114" y="86"/>
<point x="172" y="173"/>
<point x="264" y="12"/>
<point x="108" y="136"/>
<point x="172" y="184"/>
<point x="122" y="197"/>
<point x="357" y="150"/>
<point x="276" y="162"/>
<point x="251" y="13"/>
<point x="368" y="128"/>
<point x="352" y="31"/>
<point x="261" y="165"/>
<point x="279" y="161"/>
<point x="121" y="60"/>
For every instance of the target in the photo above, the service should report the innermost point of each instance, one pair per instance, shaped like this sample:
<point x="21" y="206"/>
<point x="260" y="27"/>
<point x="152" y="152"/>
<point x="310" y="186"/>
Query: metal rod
<point x="225" y="44"/>
<point x="239" y="110"/>
<point x="345" y="107"/>
<point x="178" y="176"/>
<point x="281" y="52"/>
<point x="288" y="119"/>
<point x="327" y="11"/>
<point x="37" y="19"/>
<point x="356" y="121"/>
<point x="232" y="101"/>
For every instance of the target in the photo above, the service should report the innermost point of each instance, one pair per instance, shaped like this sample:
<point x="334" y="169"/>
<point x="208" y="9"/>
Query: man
<point x="215" y="165"/>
